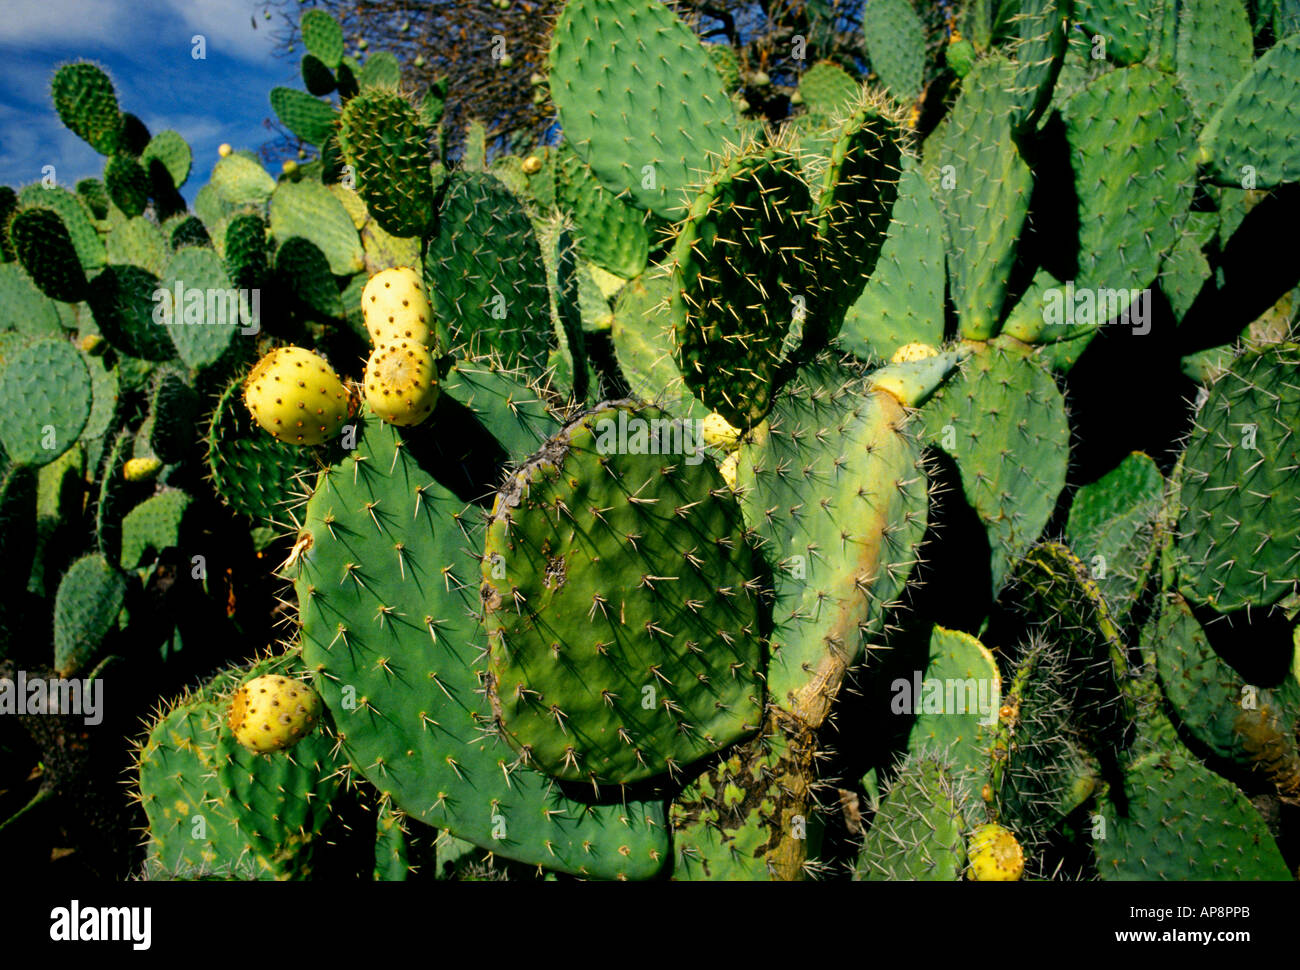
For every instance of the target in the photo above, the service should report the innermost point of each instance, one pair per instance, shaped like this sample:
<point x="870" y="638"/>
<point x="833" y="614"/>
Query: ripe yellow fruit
<point x="728" y="468"/>
<point x="395" y="304"/>
<point x="995" y="855"/>
<point x="289" y="166"/>
<point x="532" y="165"/>
<point x="272" y="712"/>
<point x="720" y="432"/>
<point x="296" y="396"/>
<point x="223" y="150"/>
<point x="141" y="469"/>
<point x="913" y="351"/>
<point x="401" y="382"/>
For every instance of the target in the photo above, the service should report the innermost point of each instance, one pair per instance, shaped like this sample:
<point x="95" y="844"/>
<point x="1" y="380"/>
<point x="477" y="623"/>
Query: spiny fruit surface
<point x="401" y="382"/>
<point x="296" y="396"/>
<point x="395" y="305"/>
<point x="622" y="619"/>
<point x="995" y="855"/>
<point x="141" y="469"/>
<point x="272" y="712"/>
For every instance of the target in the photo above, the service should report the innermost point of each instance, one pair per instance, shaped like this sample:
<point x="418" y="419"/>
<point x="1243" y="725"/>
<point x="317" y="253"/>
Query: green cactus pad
<point x="1002" y="419"/>
<point x="1039" y="51"/>
<point x="394" y="647"/>
<point x="738" y="289"/>
<point x="137" y="242"/>
<point x="1215" y="51"/>
<point x="45" y="249"/>
<point x="642" y="332"/>
<point x="381" y="70"/>
<point x="308" y="118"/>
<point x="87" y="105"/>
<point x="1239" y="537"/>
<point x="957" y="706"/>
<point x="896" y="45"/>
<point x="1111" y="528"/>
<point x="246" y="250"/>
<point x="172" y="151"/>
<point x="1222" y="835"/>
<point x="188" y="231"/>
<point x="639" y="100"/>
<point x="982" y="186"/>
<point x="76" y="218"/>
<point x="113" y="492"/>
<point x="607" y="673"/>
<point x="323" y="37"/>
<point x="305" y="272"/>
<point x="310" y="210"/>
<point x="205" y="322"/>
<point x="826" y="89"/>
<point x="1246" y="136"/>
<point x="511" y="410"/>
<point x="25" y="308"/>
<point x="611" y="233"/>
<point x="128" y="184"/>
<point x="45" y="395"/>
<point x="918" y="834"/>
<point x="904" y="300"/>
<point x="485" y="270"/>
<point x="93" y="194"/>
<point x="1124" y="24"/>
<point x="1132" y="144"/>
<point x="90" y="596"/>
<point x="382" y="138"/>
<point x="122" y="300"/>
<point x="239" y="179"/>
<point x="152" y="526"/>
<point x="317" y="78"/>
<point x="837" y="561"/>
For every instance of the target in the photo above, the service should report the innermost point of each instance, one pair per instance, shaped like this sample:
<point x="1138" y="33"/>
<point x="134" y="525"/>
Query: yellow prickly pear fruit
<point x="532" y="165"/>
<point x="995" y="855"/>
<point x="395" y="304"/>
<point x="272" y="712"/>
<point x="289" y="166"/>
<point x="93" y="344"/>
<point x="296" y="396"/>
<point x="401" y="382"/>
<point x="141" y="469"/>
<point x="913" y="351"/>
<point x="719" y="432"/>
<point x="728" y="468"/>
<point x="223" y="150"/>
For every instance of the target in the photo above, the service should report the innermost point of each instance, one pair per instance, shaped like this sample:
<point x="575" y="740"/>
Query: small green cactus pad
<point x="152" y="526"/>
<point x="173" y="408"/>
<point x="744" y="276"/>
<point x="1222" y="835"/>
<point x="252" y="472"/>
<point x="122" y="301"/>
<point x="187" y="231"/>
<point x="896" y="45"/>
<point x="308" y="118"/>
<point x="127" y="183"/>
<point x="485" y="271"/>
<point x="955" y="700"/>
<point x="192" y="831"/>
<point x="43" y="246"/>
<point x="90" y="596"/>
<point x="611" y="233"/>
<point x="746" y="817"/>
<point x="87" y="105"/>
<point x="904" y="300"/>
<point x="918" y="833"/>
<point x="826" y="89"/>
<point x="1002" y="419"/>
<point x="639" y="100"/>
<point x="1124" y="26"/>
<point x="172" y="152"/>
<point x="603" y="665"/>
<point x="1239" y="538"/>
<point x="305" y="271"/>
<point x="1039" y="51"/>
<point x="982" y="186"/>
<point x="1112" y="528"/>
<point x="380" y="71"/>
<point x="1132" y="146"/>
<point x="394" y="644"/>
<point x="392" y="858"/>
<point x="246" y="250"/>
<point x="323" y="37"/>
<point x="1250" y="725"/>
<point x="316" y="77"/>
<point x="239" y="180"/>
<point x="93" y="194"/>
<point x="204" y="322"/>
<point x="1215" y="51"/>
<point x="643" y="343"/>
<point x="382" y="138"/>
<point x="837" y="562"/>
<point x="25" y="308"/>
<point x="1244" y="143"/>
<point x="505" y="404"/>
<point x="77" y="219"/>
<point x="45" y="395"/>
<point x="310" y="210"/>
<point x="859" y="186"/>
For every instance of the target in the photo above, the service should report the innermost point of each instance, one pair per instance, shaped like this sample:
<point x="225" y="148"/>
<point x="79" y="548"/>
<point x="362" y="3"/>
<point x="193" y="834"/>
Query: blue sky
<point x="145" y="45"/>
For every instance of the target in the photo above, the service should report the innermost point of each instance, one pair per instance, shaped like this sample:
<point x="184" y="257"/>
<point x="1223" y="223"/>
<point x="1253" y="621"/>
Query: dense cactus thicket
<point x="904" y="491"/>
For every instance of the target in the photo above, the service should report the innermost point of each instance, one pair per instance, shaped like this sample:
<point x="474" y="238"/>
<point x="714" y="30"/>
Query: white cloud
<point x="60" y="22"/>
<point x="226" y="26"/>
